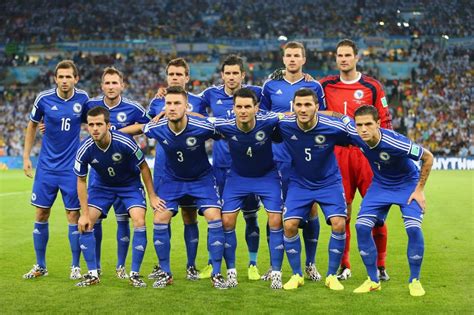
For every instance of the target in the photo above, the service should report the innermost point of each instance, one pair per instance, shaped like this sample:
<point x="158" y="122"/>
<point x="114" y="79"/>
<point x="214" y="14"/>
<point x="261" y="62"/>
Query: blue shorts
<point x="201" y="192"/>
<point x="46" y="186"/>
<point x="251" y="203"/>
<point x="300" y="200"/>
<point x="238" y="188"/>
<point x="378" y="201"/>
<point x="103" y="198"/>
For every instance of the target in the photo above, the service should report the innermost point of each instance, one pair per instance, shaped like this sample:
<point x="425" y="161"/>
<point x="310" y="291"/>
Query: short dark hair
<point x="99" y="110"/>
<point x="305" y="92"/>
<point x="294" y="44"/>
<point x="112" y="70"/>
<point x="348" y="42"/>
<point x="177" y="90"/>
<point x="66" y="64"/>
<point x="246" y="93"/>
<point x="367" y="110"/>
<point x="178" y="62"/>
<point x="233" y="60"/>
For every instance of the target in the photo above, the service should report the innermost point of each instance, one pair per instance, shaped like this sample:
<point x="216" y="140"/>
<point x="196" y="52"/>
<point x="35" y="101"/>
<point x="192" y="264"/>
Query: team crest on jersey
<point x="260" y="135"/>
<point x="191" y="141"/>
<point x="121" y="117"/>
<point x="190" y="107"/>
<point x="116" y="157"/>
<point x="384" y="156"/>
<point x="33" y="196"/>
<point x="358" y="94"/>
<point x="319" y="139"/>
<point x="77" y="107"/>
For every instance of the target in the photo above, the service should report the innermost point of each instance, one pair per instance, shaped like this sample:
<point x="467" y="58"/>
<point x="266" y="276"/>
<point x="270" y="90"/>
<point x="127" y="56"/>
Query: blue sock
<point x="293" y="252"/>
<point x="123" y="239"/>
<point x="73" y="235"/>
<point x="139" y="246"/>
<point x="191" y="239"/>
<point x="337" y="242"/>
<point x="367" y="249"/>
<point x="98" y="241"/>
<point x="161" y="240"/>
<point x="87" y="241"/>
<point x="416" y="247"/>
<point x="40" y="241"/>
<point x="216" y="244"/>
<point x="252" y="236"/>
<point x="310" y="237"/>
<point x="276" y="248"/>
<point x="230" y="247"/>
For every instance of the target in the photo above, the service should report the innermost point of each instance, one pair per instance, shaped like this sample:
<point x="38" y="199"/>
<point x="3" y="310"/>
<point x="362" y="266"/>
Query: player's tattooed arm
<point x="331" y="113"/>
<point x="418" y="194"/>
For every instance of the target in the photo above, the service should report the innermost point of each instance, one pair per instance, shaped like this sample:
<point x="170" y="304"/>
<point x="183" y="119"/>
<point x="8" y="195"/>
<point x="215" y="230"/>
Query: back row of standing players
<point x="342" y="93"/>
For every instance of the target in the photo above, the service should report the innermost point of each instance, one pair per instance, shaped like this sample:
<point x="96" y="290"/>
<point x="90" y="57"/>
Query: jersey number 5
<point x="307" y="154"/>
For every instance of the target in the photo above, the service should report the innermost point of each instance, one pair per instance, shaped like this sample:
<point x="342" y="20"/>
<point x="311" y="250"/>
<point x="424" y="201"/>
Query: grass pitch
<point x="447" y="273"/>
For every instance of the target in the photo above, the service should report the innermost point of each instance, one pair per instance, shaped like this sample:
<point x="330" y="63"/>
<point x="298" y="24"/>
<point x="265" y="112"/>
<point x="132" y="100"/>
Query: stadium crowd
<point x="49" y="22"/>
<point x="433" y="107"/>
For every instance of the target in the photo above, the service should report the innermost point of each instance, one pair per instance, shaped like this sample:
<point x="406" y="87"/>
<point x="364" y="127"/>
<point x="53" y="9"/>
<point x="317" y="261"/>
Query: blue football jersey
<point x="221" y="105"/>
<point x="157" y="105"/>
<point x="314" y="164"/>
<point x="117" y="166"/>
<point x="185" y="152"/>
<point x="62" y="119"/>
<point x="277" y="96"/>
<point x="124" y="114"/>
<point x="251" y="152"/>
<point x="393" y="159"/>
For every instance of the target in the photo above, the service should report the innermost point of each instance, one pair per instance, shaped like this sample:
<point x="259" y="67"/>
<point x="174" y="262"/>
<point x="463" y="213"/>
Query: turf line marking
<point x="14" y="193"/>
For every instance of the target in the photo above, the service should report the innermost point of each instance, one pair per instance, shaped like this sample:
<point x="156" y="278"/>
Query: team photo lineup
<point x="296" y="148"/>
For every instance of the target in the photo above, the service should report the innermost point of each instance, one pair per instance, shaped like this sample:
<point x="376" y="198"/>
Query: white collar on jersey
<point x="359" y="75"/>
<point x="64" y="99"/>
<point x="109" y="107"/>
<point x="380" y="139"/>
<point x="290" y="83"/>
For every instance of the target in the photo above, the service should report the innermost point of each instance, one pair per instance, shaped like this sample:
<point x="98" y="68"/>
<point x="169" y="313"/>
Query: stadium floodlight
<point x="406" y="24"/>
<point x="381" y="23"/>
<point x="445" y="36"/>
<point x="282" y="38"/>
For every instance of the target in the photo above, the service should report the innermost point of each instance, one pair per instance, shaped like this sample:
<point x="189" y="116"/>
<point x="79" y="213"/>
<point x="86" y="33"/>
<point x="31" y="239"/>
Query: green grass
<point x="447" y="273"/>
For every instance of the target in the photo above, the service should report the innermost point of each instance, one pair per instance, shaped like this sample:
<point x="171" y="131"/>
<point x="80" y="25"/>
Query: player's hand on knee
<point x="419" y="196"/>
<point x="27" y="168"/>
<point x="158" y="204"/>
<point x="84" y="224"/>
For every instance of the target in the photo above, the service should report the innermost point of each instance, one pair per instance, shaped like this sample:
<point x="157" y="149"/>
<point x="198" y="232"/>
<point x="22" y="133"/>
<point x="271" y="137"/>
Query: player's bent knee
<point x="189" y="215"/>
<point x="162" y="217"/>
<point x="212" y="214"/>
<point x="275" y="221"/>
<point x="42" y="214"/>
<point x="338" y="224"/>
<point x="138" y="216"/>
<point x="72" y="216"/>
<point x="291" y="227"/>
<point x="229" y="221"/>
